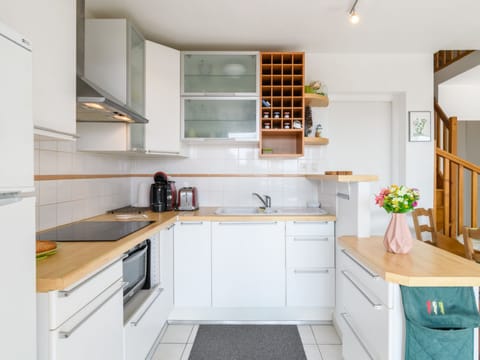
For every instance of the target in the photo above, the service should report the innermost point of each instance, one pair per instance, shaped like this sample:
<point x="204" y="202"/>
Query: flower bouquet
<point x="398" y="200"/>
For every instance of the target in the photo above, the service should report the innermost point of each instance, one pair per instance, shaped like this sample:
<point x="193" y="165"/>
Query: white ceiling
<point x="302" y="25"/>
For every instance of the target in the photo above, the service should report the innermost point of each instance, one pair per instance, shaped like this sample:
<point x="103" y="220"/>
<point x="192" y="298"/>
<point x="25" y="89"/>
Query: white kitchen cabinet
<point x="162" y="99"/>
<point x="51" y="30"/>
<point x="248" y="264"/>
<point x="192" y="264"/>
<point x="67" y="319"/>
<point x="115" y="60"/>
<point x="370" y="312"/>
<point x="310" y="264"/>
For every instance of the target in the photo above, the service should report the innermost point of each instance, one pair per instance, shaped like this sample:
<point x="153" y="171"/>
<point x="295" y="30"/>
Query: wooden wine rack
<point x="282" y="121"/>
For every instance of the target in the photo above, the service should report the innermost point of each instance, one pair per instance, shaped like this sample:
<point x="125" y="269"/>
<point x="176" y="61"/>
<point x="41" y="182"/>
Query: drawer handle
<point x="135" y="323"/>
<point x="368" y="271"/>
<point x="171" y="226"/>
<point x="191" y="222"/>
<point x="310" y="239"/>
<point x="349" y="324"/>
<point x="67" y="334"/>
<point x="67" y="293"/>
<point x="247" y="223"/>
<point x="311" y="222"/>
<point x="373" y="303"/>
<point x="311" y="271"/>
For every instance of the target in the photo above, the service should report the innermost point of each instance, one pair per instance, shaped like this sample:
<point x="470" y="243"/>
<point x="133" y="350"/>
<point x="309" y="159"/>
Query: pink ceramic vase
<point x="398" y="239"/>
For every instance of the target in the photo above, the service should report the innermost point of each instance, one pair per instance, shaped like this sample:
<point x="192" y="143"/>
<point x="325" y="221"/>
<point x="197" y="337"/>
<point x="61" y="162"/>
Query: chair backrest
<point x="424" y="227"/>
<point x="468" y="235"/>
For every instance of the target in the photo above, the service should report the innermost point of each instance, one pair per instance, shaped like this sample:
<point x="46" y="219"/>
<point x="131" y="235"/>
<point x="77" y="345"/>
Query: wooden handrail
<point x="458" y="160"/>
<point x="453" y="191"/>
<point x="441" y="113"/>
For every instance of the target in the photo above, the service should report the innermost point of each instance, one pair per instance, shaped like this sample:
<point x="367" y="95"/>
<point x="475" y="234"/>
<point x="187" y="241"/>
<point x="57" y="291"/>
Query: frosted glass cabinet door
<point x="220" y="73"/>
<point x="220" y="118"/>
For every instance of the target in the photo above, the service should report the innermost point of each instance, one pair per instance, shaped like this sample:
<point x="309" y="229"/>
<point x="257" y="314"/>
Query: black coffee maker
<point x="158" y="192"/>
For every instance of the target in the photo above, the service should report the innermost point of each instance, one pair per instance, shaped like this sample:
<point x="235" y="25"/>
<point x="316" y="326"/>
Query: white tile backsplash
<point x="77" y="199"/>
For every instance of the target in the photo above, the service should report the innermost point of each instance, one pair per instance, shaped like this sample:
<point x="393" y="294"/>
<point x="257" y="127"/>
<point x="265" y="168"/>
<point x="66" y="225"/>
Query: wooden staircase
<point x="443" y="58"/>
<point x="451" y="172"/>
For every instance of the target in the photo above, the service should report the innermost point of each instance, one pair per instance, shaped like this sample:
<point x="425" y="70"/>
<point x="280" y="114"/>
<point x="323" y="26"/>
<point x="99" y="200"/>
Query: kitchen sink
<point x="269" y="211"/>
<point x="244" y="211"/>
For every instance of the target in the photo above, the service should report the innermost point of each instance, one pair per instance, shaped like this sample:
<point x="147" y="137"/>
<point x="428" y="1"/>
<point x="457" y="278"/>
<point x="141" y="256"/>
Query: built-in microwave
<point x="140" y="268"/>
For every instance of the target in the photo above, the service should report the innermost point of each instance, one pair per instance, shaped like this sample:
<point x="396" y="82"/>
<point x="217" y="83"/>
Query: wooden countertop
<point x="75" y="260"/>
<point x="425" y="265"/>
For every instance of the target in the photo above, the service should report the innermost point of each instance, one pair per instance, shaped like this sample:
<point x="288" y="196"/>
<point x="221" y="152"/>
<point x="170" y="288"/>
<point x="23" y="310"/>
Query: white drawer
<point x="310" y="251"/>
<point x="64" y="304"/>
<point x="311" y="287"/>
<point x="310" y="228"/>
<point x="368" y="315"/>
<point x="145" y="326"/>
<point x="370" y="280"/>
<point x="353" y="347"/>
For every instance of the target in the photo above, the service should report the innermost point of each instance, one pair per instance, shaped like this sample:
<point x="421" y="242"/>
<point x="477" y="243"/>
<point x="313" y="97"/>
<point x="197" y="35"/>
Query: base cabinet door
<point x="96" y="335"/>
<point x="248" y="264"/>
<point x="192" y="264"/>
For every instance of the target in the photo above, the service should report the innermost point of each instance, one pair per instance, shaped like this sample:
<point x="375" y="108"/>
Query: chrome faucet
<point x="267" y="202"/>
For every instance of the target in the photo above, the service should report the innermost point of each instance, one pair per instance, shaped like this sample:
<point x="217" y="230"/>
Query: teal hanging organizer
<point x="439" y="322"/>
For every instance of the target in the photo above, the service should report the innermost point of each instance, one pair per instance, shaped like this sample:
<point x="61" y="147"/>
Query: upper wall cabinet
<point x="220" y="95"/>
<point x="115" y="60"/>
<point x="51" y="30"/>
<point x="162" y="99"/>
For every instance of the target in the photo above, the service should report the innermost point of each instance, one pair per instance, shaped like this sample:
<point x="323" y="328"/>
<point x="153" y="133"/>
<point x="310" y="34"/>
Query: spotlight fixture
<point x="354" y="18"/>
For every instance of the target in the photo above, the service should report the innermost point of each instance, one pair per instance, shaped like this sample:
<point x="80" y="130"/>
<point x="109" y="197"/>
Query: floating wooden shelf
<point x="315" y="100"/>
<point x="315" y="141"/>
<point x="343" y="178"/>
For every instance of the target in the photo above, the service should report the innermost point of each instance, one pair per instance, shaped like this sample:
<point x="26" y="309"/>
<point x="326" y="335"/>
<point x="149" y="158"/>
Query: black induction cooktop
<point x="93" y="231"/>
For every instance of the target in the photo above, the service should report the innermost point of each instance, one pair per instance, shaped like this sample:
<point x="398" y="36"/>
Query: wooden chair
<point x="428" y="227"/>
<point x="437" y="239"/>
<point x="468" y="235"/>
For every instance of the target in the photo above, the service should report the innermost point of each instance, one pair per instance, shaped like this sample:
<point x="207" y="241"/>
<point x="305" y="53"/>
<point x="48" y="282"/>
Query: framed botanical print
<point x="419" y="126"/>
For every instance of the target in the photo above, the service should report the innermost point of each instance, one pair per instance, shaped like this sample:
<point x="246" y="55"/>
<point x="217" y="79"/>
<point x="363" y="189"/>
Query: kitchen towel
<point x="439" y="322"/>
<point x="247" y="342"/>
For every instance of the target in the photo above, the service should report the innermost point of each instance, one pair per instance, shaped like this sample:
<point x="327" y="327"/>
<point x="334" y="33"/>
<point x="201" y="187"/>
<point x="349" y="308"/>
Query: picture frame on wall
<point x="419" y="126"/>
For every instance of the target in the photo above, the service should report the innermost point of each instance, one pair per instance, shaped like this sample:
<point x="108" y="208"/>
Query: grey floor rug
<point x="247" y="342"/>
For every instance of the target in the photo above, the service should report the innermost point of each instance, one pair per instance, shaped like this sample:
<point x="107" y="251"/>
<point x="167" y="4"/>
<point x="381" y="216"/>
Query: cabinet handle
<point x="311" y="271"/>
<point x="373" y="303"/>
<point x="364" y="268"/>
<point x="66" y="293"/>
<point x="311" y="222"/>
<point x="248" y="223"/>
<point x="67" y="334"/>
<point x="171" y="226"/>
<point x="349" y="324"/>
<point x="135" y="323"/>
<point x="191" y="222"/>
<point x="310" y="239"/>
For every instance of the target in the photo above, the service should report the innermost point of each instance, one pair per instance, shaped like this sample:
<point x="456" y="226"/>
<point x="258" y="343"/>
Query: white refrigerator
<point x="17" y="201"/>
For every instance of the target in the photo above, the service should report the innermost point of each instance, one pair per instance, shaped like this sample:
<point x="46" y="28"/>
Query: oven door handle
<point x="136" y="254"/>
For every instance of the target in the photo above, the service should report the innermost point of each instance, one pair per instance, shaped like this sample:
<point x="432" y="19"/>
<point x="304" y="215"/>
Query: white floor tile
<point x="176" y="334"/>
<point x="169" y="352"/>
<point x="312" y="352"/>
<point x="331" y="352"/>
<point x="186" y="352"/>
<point x="306" y="335"/>
<point x="193" y="334"/>
<point x="325" y="335"/>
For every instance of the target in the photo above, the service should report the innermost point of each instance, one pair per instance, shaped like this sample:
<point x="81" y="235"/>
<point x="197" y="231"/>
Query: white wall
<point x="460" y="101"/>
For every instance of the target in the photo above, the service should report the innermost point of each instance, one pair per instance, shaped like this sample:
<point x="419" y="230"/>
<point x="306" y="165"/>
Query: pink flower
<point x="415" y="203"/>
<point x="379" y="200"/>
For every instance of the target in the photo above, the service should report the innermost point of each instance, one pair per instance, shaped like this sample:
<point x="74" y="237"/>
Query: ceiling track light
<point x="354" y="18"/>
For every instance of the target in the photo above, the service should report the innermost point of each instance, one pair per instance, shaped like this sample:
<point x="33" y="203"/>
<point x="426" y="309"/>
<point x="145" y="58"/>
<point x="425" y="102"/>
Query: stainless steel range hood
<point x="93" y="103"/>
